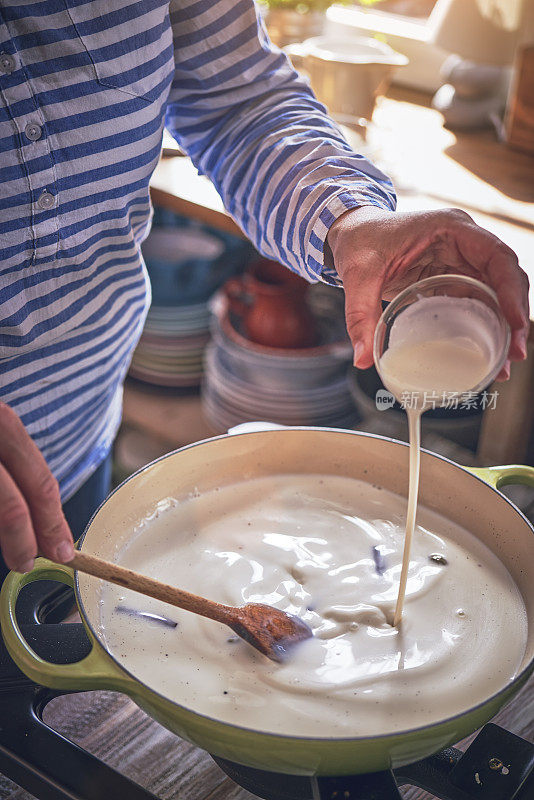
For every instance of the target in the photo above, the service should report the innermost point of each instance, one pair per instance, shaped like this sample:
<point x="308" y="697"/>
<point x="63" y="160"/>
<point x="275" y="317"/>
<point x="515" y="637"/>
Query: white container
<point x="347" y="73"/>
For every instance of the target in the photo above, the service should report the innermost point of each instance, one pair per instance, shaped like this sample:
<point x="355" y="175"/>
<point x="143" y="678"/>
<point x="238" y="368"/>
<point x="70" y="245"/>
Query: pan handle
<point x="502" y="476"/>
<point x="96" y="671"/>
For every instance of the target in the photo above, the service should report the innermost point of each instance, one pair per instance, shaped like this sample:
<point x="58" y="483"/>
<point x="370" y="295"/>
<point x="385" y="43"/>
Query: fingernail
<point x="358" y="350"/>
<point x="64" y="552"/>
<point x="27" y="566"/>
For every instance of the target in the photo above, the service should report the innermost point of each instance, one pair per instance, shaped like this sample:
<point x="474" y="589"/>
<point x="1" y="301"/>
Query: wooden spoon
<point x="268" y="629"/>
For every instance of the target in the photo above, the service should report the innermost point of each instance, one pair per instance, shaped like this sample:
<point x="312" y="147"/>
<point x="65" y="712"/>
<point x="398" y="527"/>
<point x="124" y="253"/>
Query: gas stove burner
<point x="497" y="766"/>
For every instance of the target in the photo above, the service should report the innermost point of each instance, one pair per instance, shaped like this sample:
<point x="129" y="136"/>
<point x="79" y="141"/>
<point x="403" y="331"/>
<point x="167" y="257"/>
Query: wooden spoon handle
<point x="92" y="565"/>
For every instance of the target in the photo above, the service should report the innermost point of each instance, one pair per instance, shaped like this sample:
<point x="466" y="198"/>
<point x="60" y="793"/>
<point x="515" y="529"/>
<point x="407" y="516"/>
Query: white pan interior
<point x="445" y="487"/>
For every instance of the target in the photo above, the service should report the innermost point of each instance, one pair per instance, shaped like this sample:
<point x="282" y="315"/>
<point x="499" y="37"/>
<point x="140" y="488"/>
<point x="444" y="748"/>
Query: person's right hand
<point x="378" y="253"/>
<point x="31" y="517"/>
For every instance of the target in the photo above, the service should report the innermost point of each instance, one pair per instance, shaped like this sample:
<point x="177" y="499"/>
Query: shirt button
<point x="33" y="131"/>
<point x="7" y="63"/>
<point x="46" y="201"/>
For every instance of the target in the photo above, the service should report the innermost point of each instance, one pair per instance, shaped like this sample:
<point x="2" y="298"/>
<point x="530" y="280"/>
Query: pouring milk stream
<point x="439" y="348"/>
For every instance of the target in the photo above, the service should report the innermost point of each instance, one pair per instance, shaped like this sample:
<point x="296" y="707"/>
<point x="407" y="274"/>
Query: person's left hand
<point x="378" y="253"/>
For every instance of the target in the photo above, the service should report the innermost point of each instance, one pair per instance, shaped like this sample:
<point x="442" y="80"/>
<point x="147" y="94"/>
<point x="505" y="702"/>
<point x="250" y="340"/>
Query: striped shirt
<point x="85" y="91"/>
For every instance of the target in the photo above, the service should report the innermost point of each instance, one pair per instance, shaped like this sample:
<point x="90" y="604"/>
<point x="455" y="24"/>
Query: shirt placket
<point x="33" y="144"/>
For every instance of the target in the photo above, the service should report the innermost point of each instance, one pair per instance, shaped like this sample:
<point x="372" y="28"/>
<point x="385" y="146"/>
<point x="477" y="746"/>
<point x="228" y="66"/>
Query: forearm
<point x="281" y="165"/>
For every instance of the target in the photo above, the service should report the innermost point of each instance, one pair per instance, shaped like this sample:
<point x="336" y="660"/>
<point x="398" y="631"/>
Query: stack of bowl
<point x="186" y="265"/>
<point x="171" y="349"/>
<point x="247" y="381"/>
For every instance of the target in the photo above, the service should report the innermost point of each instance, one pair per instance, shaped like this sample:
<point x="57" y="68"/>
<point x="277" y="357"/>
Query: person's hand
<point x="378" y="253"/>
<point x="31" y="518"/>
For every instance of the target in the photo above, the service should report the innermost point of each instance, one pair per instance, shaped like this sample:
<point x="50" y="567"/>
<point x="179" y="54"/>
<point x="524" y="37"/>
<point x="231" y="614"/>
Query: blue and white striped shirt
<point x="86" y="89"/>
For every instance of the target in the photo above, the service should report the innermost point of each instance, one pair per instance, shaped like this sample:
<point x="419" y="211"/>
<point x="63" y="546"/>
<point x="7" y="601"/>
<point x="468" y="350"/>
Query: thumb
<point x="363" y="307"/>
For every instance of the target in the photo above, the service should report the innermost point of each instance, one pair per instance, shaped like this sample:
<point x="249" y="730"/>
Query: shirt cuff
<point x="333" y="208"/>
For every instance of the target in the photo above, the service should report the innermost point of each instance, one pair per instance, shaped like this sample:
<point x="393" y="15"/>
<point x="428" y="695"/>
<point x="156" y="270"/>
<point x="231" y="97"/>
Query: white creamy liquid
<point x="439" y="344"/>
<point x="439" y="347"/>
<point x="304" y="543"/>
<point x="434" y="367"/>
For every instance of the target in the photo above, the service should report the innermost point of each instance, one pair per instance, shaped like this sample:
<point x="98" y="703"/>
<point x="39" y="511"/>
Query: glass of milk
<point x="439" y="339"/>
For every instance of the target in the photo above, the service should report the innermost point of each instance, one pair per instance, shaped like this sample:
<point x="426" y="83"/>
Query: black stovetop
<point x="497" y="766"/>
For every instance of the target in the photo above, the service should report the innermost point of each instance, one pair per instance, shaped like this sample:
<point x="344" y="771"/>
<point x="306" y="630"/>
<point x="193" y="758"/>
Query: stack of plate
<point x="171" y="349"/>
<point x="186" y="265"/>
<point x="244" y="381"/>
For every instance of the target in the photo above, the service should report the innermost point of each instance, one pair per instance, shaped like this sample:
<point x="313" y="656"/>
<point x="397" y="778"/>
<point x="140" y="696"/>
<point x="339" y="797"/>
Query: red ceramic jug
<point x="271" y="303"/>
